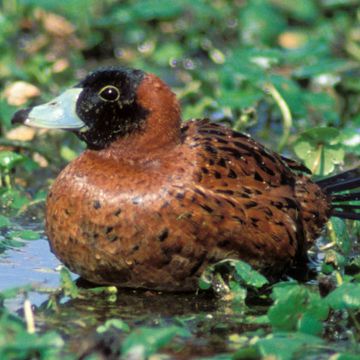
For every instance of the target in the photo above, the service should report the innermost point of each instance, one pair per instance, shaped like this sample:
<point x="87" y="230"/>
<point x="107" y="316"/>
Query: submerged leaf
<point x="145" y="341"/>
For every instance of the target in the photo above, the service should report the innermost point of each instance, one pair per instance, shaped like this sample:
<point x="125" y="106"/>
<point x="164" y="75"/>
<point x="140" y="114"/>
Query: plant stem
<point x="285" y="112"/>
<point x="317" y="161"/>
<point x="29" y="317"/>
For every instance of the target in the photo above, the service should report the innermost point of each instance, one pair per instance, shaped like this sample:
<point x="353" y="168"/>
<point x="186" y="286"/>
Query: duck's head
<point x="111" y="105"/>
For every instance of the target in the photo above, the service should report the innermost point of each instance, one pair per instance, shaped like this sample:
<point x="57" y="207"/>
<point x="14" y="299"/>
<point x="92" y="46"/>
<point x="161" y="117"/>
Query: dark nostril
<point x="20" y="116"/>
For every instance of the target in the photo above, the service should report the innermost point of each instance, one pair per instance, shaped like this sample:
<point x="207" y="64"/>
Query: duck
<point x="153" y="200"/>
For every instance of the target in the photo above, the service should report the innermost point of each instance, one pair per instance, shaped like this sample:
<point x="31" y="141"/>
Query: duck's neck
<point x="162" y="128"/>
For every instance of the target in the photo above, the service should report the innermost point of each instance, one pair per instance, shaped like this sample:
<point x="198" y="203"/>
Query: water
<point x="33" y="263"/>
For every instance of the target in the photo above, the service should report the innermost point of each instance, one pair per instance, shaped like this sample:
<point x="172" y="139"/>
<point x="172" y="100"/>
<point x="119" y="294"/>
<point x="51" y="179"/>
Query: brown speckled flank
<point x="155" y="206"/>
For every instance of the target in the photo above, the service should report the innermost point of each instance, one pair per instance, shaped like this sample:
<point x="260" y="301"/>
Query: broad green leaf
<point x="113" y="323"/>
<point x="237" y="270"/>
<point x="254" y="29"/>
<point x="342" y="236"/>
<point x="67" y="153"/>
<point x="238" y="99"/>
<point x="297" y="308"/>
<point x="320" y="149"/>
<point x="4" y="221"/>
<point x="345" y="356"/>
<point x="9" y="159"/>
<point x="321" y="67"/>
<point x="167" y="52"/>
<point x="156" y="9"/>
<point x="13" y="292"/>
<point x="304" y="10"/>
<point x="248" y="275"/>
<point x="346" y="296"/>
<point x="238" y="292"/>
<point x="14" y="199"/>
<point x="283" y="346"/>
<point x="146" y="341"/>
<point x="351" y="140"/>
<point x="24" y="235"/>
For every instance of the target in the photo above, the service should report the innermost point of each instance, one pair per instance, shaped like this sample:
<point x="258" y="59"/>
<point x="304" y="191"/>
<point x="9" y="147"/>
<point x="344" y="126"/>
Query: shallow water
<point x="33" y="263"/>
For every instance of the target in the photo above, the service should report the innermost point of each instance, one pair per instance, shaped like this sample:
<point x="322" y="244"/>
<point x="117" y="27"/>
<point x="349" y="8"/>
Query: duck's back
<point x="271" y="212"/>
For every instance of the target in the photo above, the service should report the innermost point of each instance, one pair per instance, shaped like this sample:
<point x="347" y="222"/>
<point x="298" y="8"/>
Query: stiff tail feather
<point x="342" y="204"/>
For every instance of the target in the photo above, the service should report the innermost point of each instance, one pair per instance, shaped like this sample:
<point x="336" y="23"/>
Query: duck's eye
<point x="109" y="93"/>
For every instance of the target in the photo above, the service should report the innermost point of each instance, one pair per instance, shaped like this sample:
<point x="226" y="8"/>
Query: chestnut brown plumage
<point x="152" y="202"/>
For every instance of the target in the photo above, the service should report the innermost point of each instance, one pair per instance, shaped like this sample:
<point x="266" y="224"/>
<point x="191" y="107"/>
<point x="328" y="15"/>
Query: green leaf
<point x="17" y="343"/>
<point x="346" y="296"/>
<point x="237" y="270"/>
<point x="67" y="153"/>
<point x="238" y="292"/>
<point x="13" y="292"/>
<point x="113" y="323"/>
<point x="333" y="260"/>
<point x="303" y="10"/>
<point x="239" y="99"/>
<point x="351" y="140"/>
<point x="343" y="239"/>
<point x="324" y="66"/>
<point x="4" y="221"/>
<point x="13" y="198"/>
<point x="9" y="159"/>
<point x="167" y="52"/>
<point x="248" y="275"/>
<point x="345" y="356"/>
<point x="297" y="308"/>
<point x="24" y="235"/>
<point x="320" y="149"/>
<point x="156" y="9"/>
<point x="255" y="29"/>
<point x="283" y="346"/>
<point x="146" y="341"/>
<point x="67" y="284"/>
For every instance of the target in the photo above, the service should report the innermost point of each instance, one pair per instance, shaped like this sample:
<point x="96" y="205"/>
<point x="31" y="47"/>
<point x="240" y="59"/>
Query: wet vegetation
<point x="286" y="72"/>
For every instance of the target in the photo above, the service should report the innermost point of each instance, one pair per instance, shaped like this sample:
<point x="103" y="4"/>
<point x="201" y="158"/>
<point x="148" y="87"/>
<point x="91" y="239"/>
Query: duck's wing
<point x="241" y="181"/>
<point x="233" y="158"/>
